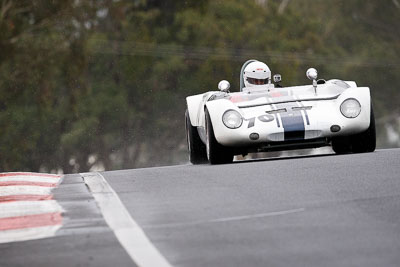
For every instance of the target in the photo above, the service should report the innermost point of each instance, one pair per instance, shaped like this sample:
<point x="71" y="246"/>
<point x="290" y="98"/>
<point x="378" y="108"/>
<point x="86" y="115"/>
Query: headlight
<point x="232" y="119"/>
<point x="350" y="108"/>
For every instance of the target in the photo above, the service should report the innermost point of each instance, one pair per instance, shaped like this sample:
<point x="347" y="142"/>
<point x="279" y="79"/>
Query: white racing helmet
<point x="256" y="73"/>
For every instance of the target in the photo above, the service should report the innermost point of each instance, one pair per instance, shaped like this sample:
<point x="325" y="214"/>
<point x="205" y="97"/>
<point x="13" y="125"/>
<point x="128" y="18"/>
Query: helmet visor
<point x="257" y="81"/>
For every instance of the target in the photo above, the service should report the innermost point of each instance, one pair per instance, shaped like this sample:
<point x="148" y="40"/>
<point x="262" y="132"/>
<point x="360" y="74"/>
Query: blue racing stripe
<point x="292" y="122"/>
<point x="305" y="113"/>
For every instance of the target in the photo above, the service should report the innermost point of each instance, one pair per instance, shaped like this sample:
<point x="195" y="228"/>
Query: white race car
<point x="221" y="124"/>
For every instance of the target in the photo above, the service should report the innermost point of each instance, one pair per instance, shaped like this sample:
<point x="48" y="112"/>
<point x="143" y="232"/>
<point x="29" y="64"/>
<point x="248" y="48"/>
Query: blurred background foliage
<point x="101" y="84"/>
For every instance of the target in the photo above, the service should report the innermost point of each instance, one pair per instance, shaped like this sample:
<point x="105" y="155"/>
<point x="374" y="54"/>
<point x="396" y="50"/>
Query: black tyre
<point x="365" y="141"/>
<point x="216" y="153"/>
<point x="358" y="143"/>
<point x="341" y="145"/>
<point x="196" y="148"/>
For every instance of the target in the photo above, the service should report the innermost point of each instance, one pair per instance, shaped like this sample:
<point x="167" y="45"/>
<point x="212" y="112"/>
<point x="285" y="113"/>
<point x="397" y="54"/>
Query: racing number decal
<point x="262" y="118"/>
<point x="266" y="118"/>
<point x="251" y="121"/>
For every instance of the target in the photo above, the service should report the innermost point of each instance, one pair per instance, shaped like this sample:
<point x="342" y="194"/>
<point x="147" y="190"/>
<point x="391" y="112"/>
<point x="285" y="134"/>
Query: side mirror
<point x="277" y="78"/>
<point x="312" y="74"/>
<point x="224" y="86"/>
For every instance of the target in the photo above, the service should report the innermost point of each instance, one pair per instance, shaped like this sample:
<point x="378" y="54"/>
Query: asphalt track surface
<point x="323" y="210"/>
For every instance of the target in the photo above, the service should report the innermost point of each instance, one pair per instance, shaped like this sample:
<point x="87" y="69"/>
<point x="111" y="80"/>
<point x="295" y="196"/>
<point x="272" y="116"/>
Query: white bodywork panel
<point x="282" y="114"/>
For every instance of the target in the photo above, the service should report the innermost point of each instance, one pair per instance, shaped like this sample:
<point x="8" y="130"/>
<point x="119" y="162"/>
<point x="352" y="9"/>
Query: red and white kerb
<point x="27" y="208"/>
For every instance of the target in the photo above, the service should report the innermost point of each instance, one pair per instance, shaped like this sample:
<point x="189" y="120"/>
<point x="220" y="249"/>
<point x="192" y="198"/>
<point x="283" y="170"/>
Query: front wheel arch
<point x="216" y="153"/>
<point x="357" y="143"/>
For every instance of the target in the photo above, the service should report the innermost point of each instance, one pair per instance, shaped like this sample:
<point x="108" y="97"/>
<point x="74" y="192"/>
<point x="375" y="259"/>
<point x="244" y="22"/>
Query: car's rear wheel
<point x="196" y="148"/>
<point x="216" y="153"/>
<point x="358" y="143"/>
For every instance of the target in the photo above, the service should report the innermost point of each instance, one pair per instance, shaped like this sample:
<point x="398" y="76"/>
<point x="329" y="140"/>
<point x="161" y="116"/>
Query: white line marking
<point x="24" y="190"/>
<point x="28" y="233"/>
<point x="29" y="179"/>
<point x="127" y="231"/>
<point x="24" y="208"/>
<point x="227" y="219"/>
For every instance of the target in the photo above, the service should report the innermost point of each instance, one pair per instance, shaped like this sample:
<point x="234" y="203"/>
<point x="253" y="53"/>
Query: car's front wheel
<point x="358" y="143"/>
<point x="196" y="148"/>
<point x="216" y="153"/>
<point x="365" y="141"/>
<point x="341" y="145"/>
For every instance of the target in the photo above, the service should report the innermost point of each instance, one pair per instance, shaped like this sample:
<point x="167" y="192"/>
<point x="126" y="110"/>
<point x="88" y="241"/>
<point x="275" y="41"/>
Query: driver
<point x="256" y="73"/>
